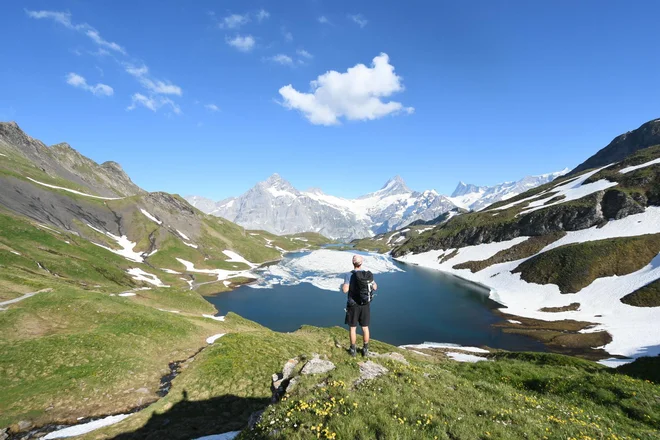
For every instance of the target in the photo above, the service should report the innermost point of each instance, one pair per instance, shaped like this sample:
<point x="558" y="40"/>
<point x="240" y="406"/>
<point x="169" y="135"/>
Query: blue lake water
<point x="411" y="306"/>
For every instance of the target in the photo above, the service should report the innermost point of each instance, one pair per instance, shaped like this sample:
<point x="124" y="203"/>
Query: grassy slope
<point x="647" y="296"/>
<point x="78" y="351"/>
<point x="642" y="184"/>
<point x="525" y="249"/>
<point x="515" y="396"/>
<point x="575" y="266"/>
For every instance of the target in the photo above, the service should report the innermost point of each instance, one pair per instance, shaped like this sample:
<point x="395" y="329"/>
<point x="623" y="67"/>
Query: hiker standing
<point x="358" y="284"/>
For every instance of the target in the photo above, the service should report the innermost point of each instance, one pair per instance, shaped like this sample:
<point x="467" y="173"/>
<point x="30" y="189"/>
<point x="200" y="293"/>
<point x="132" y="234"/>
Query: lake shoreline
<point x="544" y="331"/>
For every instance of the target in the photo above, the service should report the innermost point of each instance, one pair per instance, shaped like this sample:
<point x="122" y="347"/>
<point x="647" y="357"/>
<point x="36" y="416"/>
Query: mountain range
<point x="276" y="206"/>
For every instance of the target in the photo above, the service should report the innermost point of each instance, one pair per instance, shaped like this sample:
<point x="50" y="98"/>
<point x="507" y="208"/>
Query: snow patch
<point x="513" y="321"/>
<point x="140" y="275"/>
<point x="77" y="430"/>
<point x="126" y="245"/>
<point x="171" y="272"/>
<point x="73" y="190"/>
<point x="636" y="167"/>
<point x="191" y="245"/>
<point x="236" y="258"/>
<point x="184" y="236"/>
<point x="463" y="357"/>
<point x="150" y="217"/>
<point x="212" y="339"/>
<point x="220" y="273"/>
<point x="215" y="318"/>
<point x="15" y="253"/>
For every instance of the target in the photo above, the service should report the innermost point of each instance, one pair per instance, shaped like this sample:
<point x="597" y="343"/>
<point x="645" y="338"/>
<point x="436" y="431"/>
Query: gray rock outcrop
<point x="317" y="365"/>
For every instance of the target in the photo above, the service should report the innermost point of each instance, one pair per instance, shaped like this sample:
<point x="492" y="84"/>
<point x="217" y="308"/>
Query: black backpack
<point x="360" y="286"/>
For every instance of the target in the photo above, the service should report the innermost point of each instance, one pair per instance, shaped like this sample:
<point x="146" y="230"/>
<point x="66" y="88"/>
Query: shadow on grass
<point x="191" y="419"/>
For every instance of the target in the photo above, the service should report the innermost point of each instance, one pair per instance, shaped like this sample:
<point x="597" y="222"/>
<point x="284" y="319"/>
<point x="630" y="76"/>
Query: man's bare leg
<point x="365" y="335"/>
<point x="353" y="335"/>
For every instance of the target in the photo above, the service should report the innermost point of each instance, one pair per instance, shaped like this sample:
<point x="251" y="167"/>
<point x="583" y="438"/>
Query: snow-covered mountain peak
<point x="396" y="185"/>
<point x="465" y="188"/>
<point x="275" y="205"/>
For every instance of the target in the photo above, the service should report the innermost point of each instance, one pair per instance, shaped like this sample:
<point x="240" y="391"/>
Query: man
<point x="358" y="284"/>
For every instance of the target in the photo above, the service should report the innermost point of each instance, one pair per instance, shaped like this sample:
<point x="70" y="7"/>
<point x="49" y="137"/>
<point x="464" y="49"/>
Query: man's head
<point x="357" y="261"/>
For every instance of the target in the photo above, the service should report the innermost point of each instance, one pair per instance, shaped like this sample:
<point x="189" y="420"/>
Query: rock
<point x="24" y="425"/>
<point x="292" y="384"/>
<point x="317" y="366"/>
<point x="142" y="391"/>
<point x="3" y="434"/>
<point x="617" y="204"/>
<point x="255" y="418"/>
<point x="289" y="367"/>
<point x="370" y="370"/>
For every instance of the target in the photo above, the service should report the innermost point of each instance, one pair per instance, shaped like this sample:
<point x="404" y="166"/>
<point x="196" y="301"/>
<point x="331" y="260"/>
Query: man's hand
<point x="344" y="288"/>
<point x="374" y="286"/>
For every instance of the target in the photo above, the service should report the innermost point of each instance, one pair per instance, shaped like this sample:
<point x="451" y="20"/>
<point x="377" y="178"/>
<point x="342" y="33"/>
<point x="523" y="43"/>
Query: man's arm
<point x="346" y="285"/>
<point x="374" y="286"/>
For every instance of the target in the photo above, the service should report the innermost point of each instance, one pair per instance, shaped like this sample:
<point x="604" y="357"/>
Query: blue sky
<point x="479" y="91"/>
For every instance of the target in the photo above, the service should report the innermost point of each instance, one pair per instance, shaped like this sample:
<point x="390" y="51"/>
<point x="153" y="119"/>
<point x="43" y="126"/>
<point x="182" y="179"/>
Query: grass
<point x="527" y="248"/>
<point x="69" y="353"/>
<point x="516" y="395"/>
<point x="647" y="296"/>
<point x="575" y="266"/>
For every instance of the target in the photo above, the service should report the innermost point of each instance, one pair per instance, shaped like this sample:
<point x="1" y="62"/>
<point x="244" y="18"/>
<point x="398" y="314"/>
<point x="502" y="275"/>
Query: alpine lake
<point x="412" y="306"/>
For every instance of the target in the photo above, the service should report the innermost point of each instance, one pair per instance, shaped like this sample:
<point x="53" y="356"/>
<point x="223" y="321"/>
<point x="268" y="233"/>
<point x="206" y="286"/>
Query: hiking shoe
<point x="365" y="350"/>
<point x="352" y="351"/>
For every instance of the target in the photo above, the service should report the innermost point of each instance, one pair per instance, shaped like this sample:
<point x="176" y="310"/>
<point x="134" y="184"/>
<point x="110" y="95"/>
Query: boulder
<point x="289" y="367"/>
<point x="370" y="370"/>
<point x="317" y="366"/>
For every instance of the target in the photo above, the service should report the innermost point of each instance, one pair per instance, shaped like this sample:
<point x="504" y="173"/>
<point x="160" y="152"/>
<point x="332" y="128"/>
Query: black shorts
<point x="358" y="315"/>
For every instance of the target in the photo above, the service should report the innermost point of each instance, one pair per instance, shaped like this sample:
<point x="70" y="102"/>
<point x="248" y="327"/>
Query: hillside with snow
<point x="581" y="252"/>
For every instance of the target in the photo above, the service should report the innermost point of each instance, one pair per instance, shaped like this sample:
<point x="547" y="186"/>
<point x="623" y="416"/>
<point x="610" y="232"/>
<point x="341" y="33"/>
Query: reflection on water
<point x="411" y="306"/>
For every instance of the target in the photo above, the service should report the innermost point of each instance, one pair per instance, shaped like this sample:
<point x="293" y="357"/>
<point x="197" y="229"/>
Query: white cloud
<point x="75" y="80"/>
<point x="354" y="95"/>
<point x="288" y="36"/>
<point x="323" y="20"/>
<point x="280" y="58"/>
<point x="234" y="21"/>
<point x="64" y="18"/>
<point x="262" y="15"/>
<point x="153" y="85"/>
<point x="303" y="53"/>
<point x="359" y="19"/>
<point x="242" y="43"/>
<point x="153" y="103"/>
<point x="212" y="107"/>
